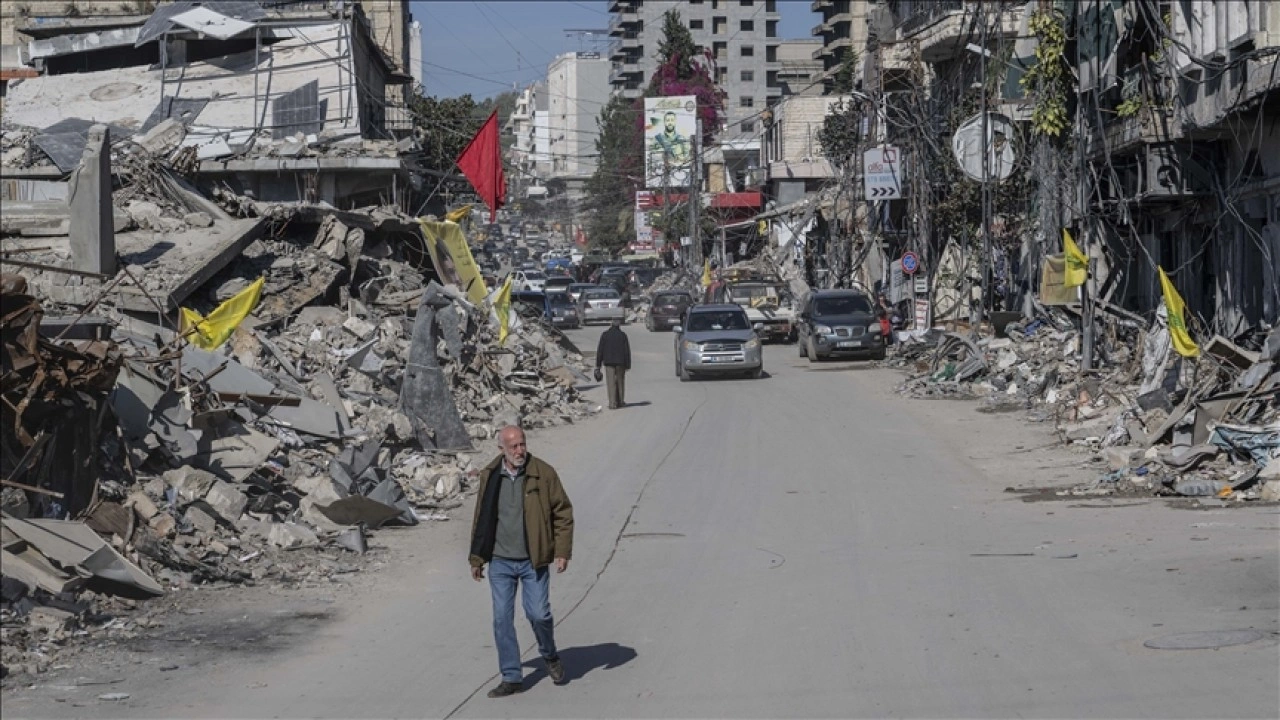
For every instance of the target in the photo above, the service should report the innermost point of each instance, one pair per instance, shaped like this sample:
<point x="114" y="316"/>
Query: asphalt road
<point x="804" y="545"/>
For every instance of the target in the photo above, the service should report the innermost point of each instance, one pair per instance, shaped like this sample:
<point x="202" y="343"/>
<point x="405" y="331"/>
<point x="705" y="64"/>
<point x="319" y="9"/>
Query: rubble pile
<point x="358" y="394"/>
<point x="1155" y="423"/>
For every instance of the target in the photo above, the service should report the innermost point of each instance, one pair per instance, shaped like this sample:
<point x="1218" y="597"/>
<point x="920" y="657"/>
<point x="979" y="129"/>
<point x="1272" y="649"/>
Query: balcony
<point x="625" y="72"/>
<point x="942" y="29"/>
<point x="820" y="5"/>
<point x="1123" y="135"/>
<point x="624" y="22"/>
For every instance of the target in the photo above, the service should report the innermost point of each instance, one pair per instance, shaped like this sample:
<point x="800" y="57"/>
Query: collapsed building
<point x="156" y="169"/>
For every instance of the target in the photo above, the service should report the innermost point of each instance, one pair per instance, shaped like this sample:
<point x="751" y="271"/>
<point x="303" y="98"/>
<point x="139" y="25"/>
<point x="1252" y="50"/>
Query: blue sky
<point x="484" y="48"/>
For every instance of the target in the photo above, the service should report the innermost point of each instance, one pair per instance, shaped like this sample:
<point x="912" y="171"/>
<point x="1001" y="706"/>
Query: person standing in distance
<point x="523" y="524"/>
<point x="614" y="352"/>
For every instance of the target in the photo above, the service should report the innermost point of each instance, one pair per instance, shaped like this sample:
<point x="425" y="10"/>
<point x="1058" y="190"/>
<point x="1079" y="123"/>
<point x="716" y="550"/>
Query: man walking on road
<point x="523" y="523"/>
<point x="614" y="352"/>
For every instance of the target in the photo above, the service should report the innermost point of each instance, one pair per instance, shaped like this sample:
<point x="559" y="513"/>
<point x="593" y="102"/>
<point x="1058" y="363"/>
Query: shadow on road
<point x="578" y="661"/>
<point x="642" y="403"/>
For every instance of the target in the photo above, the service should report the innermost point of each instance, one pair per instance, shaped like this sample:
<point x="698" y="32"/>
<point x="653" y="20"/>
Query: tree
<point x="443" y="127"/>
<point x="844" y="80"/>
<point x="677" y="43"/>
<point x="841" y="132"/>
<point x="612" y="187"/>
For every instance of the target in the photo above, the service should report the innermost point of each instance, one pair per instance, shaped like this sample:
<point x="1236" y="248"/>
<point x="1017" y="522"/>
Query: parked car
<point x="528" y="280"/>
<point x="839" y="322"/>
<point x="561" y="311"/>
<point x="600" y="304"/>
<point x="556" y="263"/>
<point x="575" y="290"/>
<point x="717" y="340"/>
<point x="666" y="309"/>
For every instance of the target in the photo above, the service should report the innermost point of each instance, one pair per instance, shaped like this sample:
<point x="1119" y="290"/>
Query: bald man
<point x="523" y="524"/>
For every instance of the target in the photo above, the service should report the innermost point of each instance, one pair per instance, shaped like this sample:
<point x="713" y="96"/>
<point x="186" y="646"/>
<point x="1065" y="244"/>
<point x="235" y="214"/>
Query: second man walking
<point x="614" y="353"/>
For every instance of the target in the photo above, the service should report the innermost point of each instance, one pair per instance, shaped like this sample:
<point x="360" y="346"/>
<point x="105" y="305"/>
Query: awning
<point x="751" y="199"/>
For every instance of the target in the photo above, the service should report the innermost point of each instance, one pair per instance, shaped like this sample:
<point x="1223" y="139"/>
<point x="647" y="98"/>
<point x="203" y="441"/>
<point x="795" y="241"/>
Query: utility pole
<point x="695" y="195"/>
<point x="1086" y="227"/>
<point x="986" y="177"/>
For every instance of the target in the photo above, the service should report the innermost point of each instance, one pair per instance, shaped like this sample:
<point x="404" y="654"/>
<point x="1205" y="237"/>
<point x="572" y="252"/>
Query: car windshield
<point x="842" y="305"/>
<point x="755" y="295"/>
<point x="673" y="299"/>
<point x="578" y="287"/>
<point x="534" y="276"/>
<point x="727" y="320"/>
<point x="559" y="299"/>
<point x="600" y="294"/>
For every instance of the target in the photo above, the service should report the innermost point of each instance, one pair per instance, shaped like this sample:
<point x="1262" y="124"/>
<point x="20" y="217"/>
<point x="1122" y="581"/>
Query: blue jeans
<point x="504" y="575"/>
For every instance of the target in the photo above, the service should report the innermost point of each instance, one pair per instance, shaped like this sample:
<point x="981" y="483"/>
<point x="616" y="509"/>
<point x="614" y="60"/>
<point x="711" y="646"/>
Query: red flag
<point x="481" y="162"/>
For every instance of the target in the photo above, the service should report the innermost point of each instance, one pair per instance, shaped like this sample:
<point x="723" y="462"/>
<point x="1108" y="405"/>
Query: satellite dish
<point x="967" y="145"/>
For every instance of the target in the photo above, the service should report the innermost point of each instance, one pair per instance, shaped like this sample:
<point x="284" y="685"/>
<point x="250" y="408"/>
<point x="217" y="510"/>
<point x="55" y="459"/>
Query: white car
<point x="528" y="280"/>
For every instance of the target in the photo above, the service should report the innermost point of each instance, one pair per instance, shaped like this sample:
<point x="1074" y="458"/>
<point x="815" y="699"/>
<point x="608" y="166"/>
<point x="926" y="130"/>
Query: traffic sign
<point x="882" y="173"/>
<point x="910" y="263"/>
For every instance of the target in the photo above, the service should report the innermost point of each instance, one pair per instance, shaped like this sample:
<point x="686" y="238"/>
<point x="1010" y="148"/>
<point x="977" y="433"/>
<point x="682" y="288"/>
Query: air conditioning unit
<point x="1173" y="171"/>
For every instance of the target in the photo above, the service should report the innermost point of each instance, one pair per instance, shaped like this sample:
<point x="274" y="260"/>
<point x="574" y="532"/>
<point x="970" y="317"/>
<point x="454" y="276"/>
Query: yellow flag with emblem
<point x="706" y="273"/>
<point x="502" y="306"/>
<point x="1177" y="310"/>
<point x="207" y="333"/>
<point x="1077" y="270"/>
<point x="460" y="214"/>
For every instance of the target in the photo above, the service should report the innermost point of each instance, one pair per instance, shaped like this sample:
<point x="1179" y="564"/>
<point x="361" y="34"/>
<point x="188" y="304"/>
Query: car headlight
<point x="822" y="329"/>
<point x="689" y="345"/>
<point x="874" y="329"/>
<point x="753" y="343"/>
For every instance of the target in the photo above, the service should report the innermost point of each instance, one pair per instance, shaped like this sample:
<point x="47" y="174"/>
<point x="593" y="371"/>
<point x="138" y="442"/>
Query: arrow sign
<point x="882" y="173"/>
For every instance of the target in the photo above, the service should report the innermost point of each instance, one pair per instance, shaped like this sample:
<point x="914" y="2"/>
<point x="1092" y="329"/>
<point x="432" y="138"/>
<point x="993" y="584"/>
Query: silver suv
<point x="717" y="339"/>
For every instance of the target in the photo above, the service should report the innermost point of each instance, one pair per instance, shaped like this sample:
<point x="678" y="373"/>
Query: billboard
<point x="670" y="126"/>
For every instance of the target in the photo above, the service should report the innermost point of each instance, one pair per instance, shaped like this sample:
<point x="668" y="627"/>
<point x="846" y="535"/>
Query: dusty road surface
<point x="804" y="545"/>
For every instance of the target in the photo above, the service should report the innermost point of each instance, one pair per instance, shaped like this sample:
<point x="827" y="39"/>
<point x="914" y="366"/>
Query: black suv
<point x="839" y="322"/>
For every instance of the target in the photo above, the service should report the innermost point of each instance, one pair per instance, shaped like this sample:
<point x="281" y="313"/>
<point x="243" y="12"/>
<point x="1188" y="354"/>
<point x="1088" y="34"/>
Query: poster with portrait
<point x="670" y="126"/>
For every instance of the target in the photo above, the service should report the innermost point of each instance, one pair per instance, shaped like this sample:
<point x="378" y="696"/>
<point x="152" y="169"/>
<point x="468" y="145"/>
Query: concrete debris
<point x="1152" y="422"/>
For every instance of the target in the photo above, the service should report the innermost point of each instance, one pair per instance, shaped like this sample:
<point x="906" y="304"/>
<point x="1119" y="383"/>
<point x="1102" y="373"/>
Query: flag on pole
<point x="502" y="306"/>
<point x="457" y="216"/>
<point x="1077" y="269"/>
<point x="1176" y="308"/>
<point x="481" y="162"/>
<point x="706" y="273"/>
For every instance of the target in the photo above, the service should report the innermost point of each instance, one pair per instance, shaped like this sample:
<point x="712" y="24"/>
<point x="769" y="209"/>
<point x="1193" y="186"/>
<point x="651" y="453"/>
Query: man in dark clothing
<point x="523" y="524"/>
<point x="614" y="352"/>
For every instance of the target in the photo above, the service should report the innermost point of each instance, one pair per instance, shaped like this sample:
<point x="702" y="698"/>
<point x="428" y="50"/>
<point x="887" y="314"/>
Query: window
<point x="747" y="51"/>
<point x="748" y="76"/>
<point x="722" y="74"/>
<point x="748" y="126"/>
<point x="771" y="53"/>
<point x="720" y="50"/>
<point x="746" y="3"/>
<point x="695" y="24"/>
<point x="718" y="25"/>
<point x="746" y="101"/>
<point x="747" y="25"/>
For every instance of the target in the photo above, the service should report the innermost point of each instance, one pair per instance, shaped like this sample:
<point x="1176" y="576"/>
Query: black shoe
<point x="504" y="689"/>
<point x="555" y="670"/>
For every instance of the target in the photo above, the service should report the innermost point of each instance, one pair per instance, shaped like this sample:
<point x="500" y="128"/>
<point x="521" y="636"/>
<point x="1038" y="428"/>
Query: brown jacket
<point x="548" y="514"/>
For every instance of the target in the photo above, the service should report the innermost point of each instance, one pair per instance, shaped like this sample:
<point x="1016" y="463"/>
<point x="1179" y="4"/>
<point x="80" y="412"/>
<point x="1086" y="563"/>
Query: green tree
<point x="677" y="44"/>
<point x="443" y="127"/>
<point x="841" y="132"/>
<point x="612" y="187"/>
<point x="845" y="80"/>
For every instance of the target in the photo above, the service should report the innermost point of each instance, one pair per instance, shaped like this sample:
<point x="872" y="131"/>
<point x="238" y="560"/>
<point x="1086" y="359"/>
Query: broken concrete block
<point x="319" y="488"/>
<point x="50" y="618"/>
<point x="198" y="219"/>
<point x="191" y="483"/>
<point x="142" y="505"/>
<point x="447" y="484"/>
<point x="1270" y="471"/>
<point x="226" y="500"/>
<point x="359" y="327"/>
<point x="1120" y="458"/>
<point x="145" y="214"/>
<point x="1271" y="491"/>
<point x="289" y="535"/>
<point x="203" y="521"/>
<point x="163" y="138"/>
<point x="163" y="525"/>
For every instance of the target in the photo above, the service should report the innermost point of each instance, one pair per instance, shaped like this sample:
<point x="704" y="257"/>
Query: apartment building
<point x="577" y="88"/>
<point x="842" y="32"/>
<point x="741" y="35"/>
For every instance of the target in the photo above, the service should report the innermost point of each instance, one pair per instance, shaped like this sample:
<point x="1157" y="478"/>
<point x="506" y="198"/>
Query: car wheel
<point x="757" y="373"/>
<point x="685" y="375"/>
<point x="879" y="354"/>
<point x="811" y="352"/>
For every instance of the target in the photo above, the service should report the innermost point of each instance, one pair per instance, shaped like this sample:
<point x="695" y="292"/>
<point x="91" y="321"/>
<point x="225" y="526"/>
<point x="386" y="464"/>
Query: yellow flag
<point x="460" y="214"/>
<point x="706" y="273"/>
<point x="1077" y="262"/>
<point x="454" y="263"/>
<point x="1176" y="308"/>
<point x="212" y="331"/>
<point x="502" y="306"/>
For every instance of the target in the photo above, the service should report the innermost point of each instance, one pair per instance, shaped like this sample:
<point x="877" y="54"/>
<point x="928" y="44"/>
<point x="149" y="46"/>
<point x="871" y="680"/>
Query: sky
<point x="484" y="48"/>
